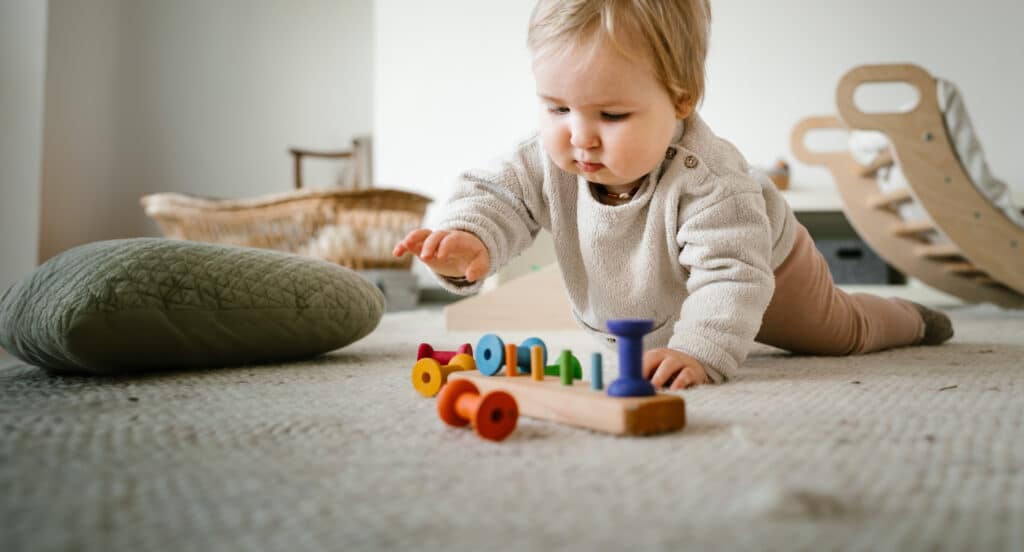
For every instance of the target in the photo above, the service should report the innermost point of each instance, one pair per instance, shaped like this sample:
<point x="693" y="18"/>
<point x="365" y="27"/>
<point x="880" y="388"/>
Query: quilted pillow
<point x="135" y="305"/>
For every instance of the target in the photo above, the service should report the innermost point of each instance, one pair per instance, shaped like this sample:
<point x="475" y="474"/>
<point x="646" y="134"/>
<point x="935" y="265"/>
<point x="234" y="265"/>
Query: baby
<point x="652" y="214"/>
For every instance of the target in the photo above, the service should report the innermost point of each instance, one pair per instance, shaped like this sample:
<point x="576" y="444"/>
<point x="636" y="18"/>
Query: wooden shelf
<point x="817" y="199"/>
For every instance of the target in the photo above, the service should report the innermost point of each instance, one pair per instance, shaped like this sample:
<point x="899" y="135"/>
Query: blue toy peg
<point x="596" y="376"/>
<point x="631" y="382"/>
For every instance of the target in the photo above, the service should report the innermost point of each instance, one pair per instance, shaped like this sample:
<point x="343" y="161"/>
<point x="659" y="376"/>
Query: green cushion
<point x="144" y="304"/>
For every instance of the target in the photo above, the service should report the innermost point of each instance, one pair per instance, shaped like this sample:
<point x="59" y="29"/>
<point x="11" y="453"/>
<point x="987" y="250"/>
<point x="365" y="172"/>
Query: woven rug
<point x="911" y="449"/>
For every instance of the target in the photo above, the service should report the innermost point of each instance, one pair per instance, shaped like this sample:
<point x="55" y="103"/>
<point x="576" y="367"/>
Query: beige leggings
<point x="809" y="315"/>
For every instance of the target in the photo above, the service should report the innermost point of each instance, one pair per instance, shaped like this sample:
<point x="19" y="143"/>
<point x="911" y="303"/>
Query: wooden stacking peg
<point x="537" y="362"/>
<point x="511" y="368"/>
<point x="493" y="415"/>
<point x="565" y="364"/>
<point x="574" y="365"/>
<point x="631" y="382"/>
<point x="429" y="375"/>
<point x="444" y="357"/>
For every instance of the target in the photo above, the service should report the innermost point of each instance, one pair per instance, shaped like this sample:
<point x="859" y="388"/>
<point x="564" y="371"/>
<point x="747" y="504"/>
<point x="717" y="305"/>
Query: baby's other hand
<point x="450" y="253"/>
<point x="662" y="365"/>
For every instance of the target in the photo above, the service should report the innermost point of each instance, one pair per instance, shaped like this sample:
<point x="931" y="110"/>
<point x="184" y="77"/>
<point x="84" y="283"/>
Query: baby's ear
<point x="684" y="106"/>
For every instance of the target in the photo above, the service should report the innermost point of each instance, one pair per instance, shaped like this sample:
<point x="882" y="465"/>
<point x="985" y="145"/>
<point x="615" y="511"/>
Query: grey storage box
<point x="852" y="261"/>
<point x="400" y="287"/>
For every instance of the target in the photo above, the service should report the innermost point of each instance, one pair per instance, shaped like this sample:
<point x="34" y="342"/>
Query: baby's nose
<point x="585" y="140"/>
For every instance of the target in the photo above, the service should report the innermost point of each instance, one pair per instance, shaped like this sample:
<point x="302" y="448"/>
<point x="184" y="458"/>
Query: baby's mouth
<point x="589" y="167"/>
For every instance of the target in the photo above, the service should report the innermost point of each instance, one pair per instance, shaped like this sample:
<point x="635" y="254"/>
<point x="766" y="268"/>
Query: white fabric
<point x="866" y="145"/>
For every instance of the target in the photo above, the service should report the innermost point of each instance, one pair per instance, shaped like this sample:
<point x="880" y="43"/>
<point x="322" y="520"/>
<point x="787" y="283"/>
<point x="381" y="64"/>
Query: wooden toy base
<point x="579" y="405"/>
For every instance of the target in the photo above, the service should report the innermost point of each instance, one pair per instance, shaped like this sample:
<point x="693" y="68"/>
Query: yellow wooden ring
<point x="463" y="361"/>
<point x="426" y="377"/>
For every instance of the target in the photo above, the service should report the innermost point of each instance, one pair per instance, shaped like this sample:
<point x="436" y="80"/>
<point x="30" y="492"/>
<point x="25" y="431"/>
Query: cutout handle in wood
<point x="798" y="139"/>
<point x="906" y="73"/>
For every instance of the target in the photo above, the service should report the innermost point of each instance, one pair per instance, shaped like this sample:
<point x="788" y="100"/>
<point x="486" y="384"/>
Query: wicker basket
<point x="354" y="228"/>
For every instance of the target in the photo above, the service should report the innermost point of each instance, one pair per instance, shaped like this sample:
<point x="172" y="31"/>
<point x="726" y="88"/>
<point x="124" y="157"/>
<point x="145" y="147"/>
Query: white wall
<point x="22" y="74"/>
<point x="454" y="87"/>
<point x="772" y="63"/>
<point x="196" y="97"/>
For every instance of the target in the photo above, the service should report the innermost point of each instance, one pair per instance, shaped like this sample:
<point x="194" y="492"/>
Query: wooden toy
<point x="493" y="414"/>
<point x="490" y="354"/>
<point x="511" y="354"/>
<point x="574" y="366"/>
<point x="537" y="362"/>
<point x="573" y="402"/>
<point x="963" y="241"/>
<point x="444" y="357"/>
<point x="429" y="375"/>
<point x="631" y="382"/>
<point x="580" y="406"/>
<point x="491" y="357"/>
<point x="565" y="367"/>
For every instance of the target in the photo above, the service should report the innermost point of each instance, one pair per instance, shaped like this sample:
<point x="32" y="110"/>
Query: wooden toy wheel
<point x="463" y="361"/>
<point x="426" y="377"/>
<point x="496" y="416"/>
<point x="447" y="399"/>
<point x="490" y="354"/>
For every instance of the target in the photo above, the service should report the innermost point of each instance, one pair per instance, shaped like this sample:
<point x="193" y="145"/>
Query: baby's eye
<point x="558" y="110"/>
<point x="614" y="116"/>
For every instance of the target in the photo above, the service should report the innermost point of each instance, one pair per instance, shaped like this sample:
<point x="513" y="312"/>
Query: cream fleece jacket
<point x="695" y="249"/>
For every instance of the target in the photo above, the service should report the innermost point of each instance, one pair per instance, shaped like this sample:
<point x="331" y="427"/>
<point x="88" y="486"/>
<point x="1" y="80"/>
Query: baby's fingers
<point x="667" y="370"/>
<point x="411" y="243"/>
<point x="686" y="378"/>
<point x="429" y="250"/>
<point x="652" y="359"/>
<point x="448" y="246"/>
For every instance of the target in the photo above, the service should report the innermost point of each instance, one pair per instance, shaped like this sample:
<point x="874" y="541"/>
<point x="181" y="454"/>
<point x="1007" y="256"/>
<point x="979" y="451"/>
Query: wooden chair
<point x="983" y="259"/>
<point x="360" y="170"/>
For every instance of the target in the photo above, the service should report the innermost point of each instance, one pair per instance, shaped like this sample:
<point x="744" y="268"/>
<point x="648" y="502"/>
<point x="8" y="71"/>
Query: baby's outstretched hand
<point x="450" y="253"/>
<point x="662" y="366"/>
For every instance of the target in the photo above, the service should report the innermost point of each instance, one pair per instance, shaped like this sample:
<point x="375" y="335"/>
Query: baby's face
<point x="602" y="115"/>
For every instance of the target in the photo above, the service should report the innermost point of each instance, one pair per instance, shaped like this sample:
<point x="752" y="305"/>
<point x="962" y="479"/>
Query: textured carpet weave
<point x="912" y="449"/>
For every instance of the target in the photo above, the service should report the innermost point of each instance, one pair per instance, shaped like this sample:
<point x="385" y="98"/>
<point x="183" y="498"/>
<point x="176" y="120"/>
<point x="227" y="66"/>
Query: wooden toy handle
<point x="907" y="73"/>
<point x="798" y="139"/>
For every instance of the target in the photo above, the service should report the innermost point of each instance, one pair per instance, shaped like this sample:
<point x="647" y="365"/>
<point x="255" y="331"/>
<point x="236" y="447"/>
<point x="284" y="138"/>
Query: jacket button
<point x="690" y="161"/>
<point x="610" y="339"/>
<point x="670" y="153"/>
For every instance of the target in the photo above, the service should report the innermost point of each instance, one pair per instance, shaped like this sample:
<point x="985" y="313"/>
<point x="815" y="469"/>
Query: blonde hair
<point x="672" y="35"/>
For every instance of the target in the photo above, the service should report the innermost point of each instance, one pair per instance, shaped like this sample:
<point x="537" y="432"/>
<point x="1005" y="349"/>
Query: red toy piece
<point x="443" y="357"/>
